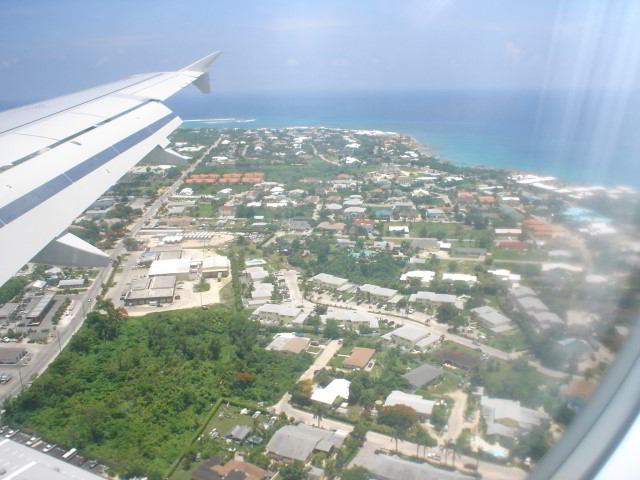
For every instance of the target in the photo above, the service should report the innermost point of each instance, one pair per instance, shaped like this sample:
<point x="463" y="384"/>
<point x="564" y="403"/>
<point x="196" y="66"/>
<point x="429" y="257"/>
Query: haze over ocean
<point x="582" y="137"/>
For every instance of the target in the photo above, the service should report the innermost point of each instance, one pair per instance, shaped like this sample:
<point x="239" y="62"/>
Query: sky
<point x="50" y="48"/>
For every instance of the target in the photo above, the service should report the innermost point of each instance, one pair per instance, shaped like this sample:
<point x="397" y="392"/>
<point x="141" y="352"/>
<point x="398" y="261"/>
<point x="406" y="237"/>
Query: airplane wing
<point x="58" y="156"/>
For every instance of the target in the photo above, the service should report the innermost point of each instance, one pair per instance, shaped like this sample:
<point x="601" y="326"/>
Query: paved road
<point x="48" y="353"/>
<point x="315" y="152"/>
<point x="291" y="279"/>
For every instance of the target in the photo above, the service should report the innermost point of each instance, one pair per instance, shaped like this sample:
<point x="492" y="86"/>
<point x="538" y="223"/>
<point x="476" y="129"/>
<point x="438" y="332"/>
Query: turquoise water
<point x="587" y="137"/>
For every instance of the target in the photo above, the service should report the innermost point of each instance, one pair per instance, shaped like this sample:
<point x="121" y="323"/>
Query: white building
<point x="350" y="318"/>
<point x="422" y="407"/>
<point x="180" y="267"/>
<point x="492" y="319"/>
<point x="283" y="314"/>
<point x="329" y="281"/>
<point x="425" y="276"/>
<point x="508" y="418"/>
<point x="378" y="294"/>
<point x="425" y="298"/>
<point x="339" y="387"/>
<point x="459" y="277"/>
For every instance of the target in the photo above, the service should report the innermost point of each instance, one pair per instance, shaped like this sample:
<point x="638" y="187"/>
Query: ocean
<point x="584" y="137"/>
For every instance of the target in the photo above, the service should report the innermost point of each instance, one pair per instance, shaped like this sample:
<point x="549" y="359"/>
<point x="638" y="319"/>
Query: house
<point x="282" y="314"/>
<point x="288" y="342"/>
<point x="383" y="214"/>
<point x="338" y="388"/>
<point x="355" y="212"/>
<point x="385" y="466"/>
<point x="386" y="246"/>
<point x="328" y="281"/>
<point x="350" y="318"/>
<point x="493" y="320"/>
<point x="407" y="336"/>
<point x="299" y="225"/>
<point x="298" y="442"/>
<point x="377" y="294"/>
<point x="239" y="433"/>
<point x="424" y="276"/>
<point x="262" y="291"/>
<point x="331" y="227"/>
<point x="256" y="273"/>
<point x="234" y="469"/>
<point x="227" y="211"/>
<point x="457" y="358"/>
<point x="513" y="244"/>
<point x="422" y="407"/>
<point x="423" y="375"/>
<point x="71" y="283"/>
<point x="366" y="224"/>
<point x="578" y="392"/>
<point x="436" y="214"/>
<point x="459" y="277"/>
<point x="426" y="244"/>
<point x="359" y="357"/>
<point x="508" y="418"/>
<point x="427" y="298"/>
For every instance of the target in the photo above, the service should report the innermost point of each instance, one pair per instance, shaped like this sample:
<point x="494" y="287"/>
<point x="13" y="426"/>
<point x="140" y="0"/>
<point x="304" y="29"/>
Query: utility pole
<point x="20" y="374"/>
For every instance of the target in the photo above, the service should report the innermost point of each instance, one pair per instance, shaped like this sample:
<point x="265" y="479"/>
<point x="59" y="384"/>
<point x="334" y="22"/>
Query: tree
<point x="423" y="439"/>
<point x="356" y="473"/>
<point x="400" y="416"/>
<point x="321" y="309"/>
<point x="293" y="471"/>
<point x="439" y="417"/>
<point x="313" y="321"/>
<point x="318" y="413"/>
<point x="331" y="329"/>
<point x="301" y="394"/>
<point x="446" y="313"/>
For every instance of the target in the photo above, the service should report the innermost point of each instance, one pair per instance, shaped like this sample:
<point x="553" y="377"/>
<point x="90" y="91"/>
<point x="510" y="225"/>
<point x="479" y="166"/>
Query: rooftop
<point x="419" y="404"/>
<point x="423" y="374"/>
<point x="359" y="357"/>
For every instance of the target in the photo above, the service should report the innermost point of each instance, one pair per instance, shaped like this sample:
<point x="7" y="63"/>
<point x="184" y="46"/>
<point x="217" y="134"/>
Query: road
<point x="419" y="319"/>
<point x="291" y="279"/>
<point x="315" y="152"/>
<point x="86" y="300"/>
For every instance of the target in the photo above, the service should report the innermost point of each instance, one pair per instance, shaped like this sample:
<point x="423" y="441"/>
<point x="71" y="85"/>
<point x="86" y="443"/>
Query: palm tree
<point x="422" y="438"/>
<point x="318" y="413"/>
<point x="396" y="435"/>
<point x="454" y="448"/>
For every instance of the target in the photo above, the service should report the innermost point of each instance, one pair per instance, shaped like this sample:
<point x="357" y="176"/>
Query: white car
<point x="49" y="447"/>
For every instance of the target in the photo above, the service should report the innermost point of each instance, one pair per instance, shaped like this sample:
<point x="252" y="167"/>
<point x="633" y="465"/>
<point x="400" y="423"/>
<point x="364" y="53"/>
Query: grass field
<point x="532" y="255"/>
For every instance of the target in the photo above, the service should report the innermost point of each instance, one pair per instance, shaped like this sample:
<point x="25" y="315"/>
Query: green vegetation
<point x="132" y="392"/>
<point x="11" y="288"/>
<point x="203" y="286"/>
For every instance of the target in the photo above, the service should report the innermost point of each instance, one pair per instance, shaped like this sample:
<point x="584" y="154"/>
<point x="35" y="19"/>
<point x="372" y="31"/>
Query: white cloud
<point x="293" y="61"/>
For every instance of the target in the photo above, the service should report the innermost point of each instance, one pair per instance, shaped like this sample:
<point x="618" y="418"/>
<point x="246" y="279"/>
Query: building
<point x="459" y="277"/>
<point x="425" y="276"/>
<point x="436" y="214"/>
<point x="422" y="407"/>
<point x="299" y="225"/>
<point x="470" y="251"/>
<point x="71" y="283"/>
<point x="366" y="224"/>
<point x="156" y="290"/>
<point x="26" y="463"/>
<point x="457" y="358"/>
<point x="427" y="298"/>
<point x="234" y="469"/>
<point x="215" y="266"/>
<point x="177" y="267"/>
<point x="375" y="293"/>
<point x="328" y="281"/>
<point x="262" y="291"/>
<point x="493" y="320"/>
<point x="331" y="227"/>
<point x="11" y="355"/>
<point x="423" y="375"/>
<point x="508" y="418"/>
<point x="282" y="314"/>
<point x="298" y="442"/>
<point x="427" y="244"/>
<point x="407" y="336"/>
<point x="39" y="306"/>
<point x="288" y="342"/>
<point x="7" y="310"/>
<point x="338" y="388"/>
<point x="359" y="357"/>
<point x="350" y="318"/>
<point x="239" y="433"/>
<point x="578" y="392"/>
<point x="383" y="466"/>
<point x="256" y="273"/>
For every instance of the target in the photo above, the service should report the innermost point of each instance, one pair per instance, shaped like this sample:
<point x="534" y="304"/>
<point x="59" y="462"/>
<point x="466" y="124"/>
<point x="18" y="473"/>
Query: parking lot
<point x="53" y="450"/>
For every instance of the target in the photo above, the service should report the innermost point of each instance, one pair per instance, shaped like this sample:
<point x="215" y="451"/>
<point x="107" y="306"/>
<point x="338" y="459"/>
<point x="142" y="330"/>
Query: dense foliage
<point x="132" y="392"/>
<point x="11" y="288"/>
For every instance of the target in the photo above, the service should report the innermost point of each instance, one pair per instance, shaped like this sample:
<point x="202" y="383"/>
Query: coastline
<point x="434" y="150"/>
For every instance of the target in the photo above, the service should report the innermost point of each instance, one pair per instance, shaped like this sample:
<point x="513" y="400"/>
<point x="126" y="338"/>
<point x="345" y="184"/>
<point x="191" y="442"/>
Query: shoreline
<point x="214" y="123"/>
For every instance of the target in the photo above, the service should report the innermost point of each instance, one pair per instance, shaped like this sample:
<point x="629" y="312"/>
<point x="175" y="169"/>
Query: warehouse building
<point x="160" y="290"/>
<point x="39" y="306"/>
<point x="179" y="268"/>
<point x="216" y="266"/>
<point x="11" y="355"/>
